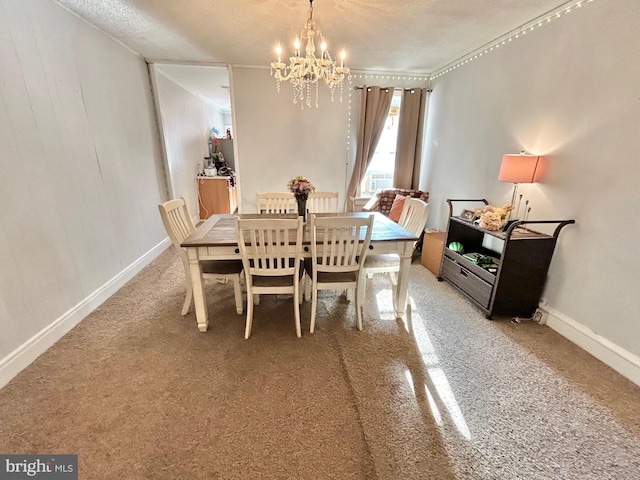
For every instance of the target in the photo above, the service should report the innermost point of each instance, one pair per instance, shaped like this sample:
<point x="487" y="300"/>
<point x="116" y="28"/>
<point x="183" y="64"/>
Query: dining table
<point x="216" y="239"/>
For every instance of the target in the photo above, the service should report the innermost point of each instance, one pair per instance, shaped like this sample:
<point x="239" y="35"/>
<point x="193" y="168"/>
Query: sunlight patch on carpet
<point x="435" y="413"/>
<point x="384" y="301"/>
<point x="438" y="377"/>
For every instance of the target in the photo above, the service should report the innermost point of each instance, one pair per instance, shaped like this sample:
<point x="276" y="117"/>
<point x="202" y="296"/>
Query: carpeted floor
<point x="139" y="393"/>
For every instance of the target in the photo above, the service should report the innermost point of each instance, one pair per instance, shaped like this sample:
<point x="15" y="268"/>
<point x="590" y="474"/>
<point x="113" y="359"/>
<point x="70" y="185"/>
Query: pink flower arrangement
<point x="300" y="187"/>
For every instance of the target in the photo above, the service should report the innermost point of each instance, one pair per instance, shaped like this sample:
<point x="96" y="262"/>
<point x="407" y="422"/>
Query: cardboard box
<point x="432" y="247"/>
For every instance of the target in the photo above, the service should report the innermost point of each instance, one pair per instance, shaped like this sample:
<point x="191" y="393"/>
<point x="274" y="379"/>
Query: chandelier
<point x="305" y="71"/>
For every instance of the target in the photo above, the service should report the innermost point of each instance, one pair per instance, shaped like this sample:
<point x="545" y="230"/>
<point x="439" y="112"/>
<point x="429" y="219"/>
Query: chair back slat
<point x="177" y="221"/>
<point x="276" y="202"/>
<point x="345" y="242"/>
<point x="414" y="216"/>
<point x="323" y="202"/>
<point x="270" y="247"/>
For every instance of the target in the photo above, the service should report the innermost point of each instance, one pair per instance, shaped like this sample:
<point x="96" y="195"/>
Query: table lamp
<point x="518" y="168"/>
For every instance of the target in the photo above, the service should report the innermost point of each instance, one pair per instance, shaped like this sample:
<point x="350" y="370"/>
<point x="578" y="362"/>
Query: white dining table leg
<point x="400" y="299"/>
<point x="195" y="269"/>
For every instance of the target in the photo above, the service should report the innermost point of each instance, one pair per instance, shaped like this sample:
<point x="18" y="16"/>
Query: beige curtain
<point x="410" y="132"/>
<point x="374" y="109"/>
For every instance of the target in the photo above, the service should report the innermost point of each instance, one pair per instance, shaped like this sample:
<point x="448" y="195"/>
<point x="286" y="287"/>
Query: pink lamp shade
<point x="519" y="168"/>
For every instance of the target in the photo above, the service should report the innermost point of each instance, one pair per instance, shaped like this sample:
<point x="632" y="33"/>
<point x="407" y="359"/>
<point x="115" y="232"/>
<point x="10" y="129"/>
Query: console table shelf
<point x="513" y="285"/>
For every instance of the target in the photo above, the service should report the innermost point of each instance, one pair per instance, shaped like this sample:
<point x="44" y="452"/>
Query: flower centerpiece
<point x="492" y="218"/>
<point x="301" y="188"/>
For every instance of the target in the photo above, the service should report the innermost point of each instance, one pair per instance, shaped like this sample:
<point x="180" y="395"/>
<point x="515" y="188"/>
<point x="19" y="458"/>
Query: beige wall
<point x="80" y="178"/>
<point x="276" y="140"/>
<point x="570" y="91"/>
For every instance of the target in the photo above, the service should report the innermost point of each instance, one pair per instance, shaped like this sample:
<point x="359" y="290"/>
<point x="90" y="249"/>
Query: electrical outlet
<point x="540" y="316"/>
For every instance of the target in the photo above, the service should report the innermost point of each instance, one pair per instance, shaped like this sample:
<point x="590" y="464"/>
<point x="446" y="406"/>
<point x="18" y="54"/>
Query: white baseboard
<point x="26" y="353"/>
<point x="622" y="361"/>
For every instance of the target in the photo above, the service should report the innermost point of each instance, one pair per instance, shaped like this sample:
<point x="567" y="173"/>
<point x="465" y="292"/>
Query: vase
<point x="302" y="208"/>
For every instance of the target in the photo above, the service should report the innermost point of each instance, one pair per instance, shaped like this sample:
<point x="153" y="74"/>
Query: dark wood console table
<point x="513" y="285"/>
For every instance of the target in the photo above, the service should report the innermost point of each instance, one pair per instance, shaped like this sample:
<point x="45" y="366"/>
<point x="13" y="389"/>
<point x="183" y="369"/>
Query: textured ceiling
<point x="404" y="36"/>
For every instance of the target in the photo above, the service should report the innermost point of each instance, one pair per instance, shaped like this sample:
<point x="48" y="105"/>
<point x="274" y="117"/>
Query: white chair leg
<point x="189" y="295"/>
<point x="237" y="290"/>
<point x="362" y="289"/>
<point x="256" y="299"/>
<point x="314" y="304"/>
<point x="359" y="309"/>
<point x="296" y="309"/>
<point x="247" y="330"/>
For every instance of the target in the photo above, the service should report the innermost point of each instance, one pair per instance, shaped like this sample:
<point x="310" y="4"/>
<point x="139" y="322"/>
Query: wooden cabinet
<point x="501" y="272"/>
<point x="216" y="195"/>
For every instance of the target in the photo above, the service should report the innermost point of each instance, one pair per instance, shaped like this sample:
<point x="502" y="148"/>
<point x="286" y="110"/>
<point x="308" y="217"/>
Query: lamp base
<point x="513" y="200"/>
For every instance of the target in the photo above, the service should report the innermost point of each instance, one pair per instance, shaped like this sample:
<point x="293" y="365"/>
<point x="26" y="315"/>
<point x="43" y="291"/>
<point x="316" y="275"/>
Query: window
<point x="380" y="171"/>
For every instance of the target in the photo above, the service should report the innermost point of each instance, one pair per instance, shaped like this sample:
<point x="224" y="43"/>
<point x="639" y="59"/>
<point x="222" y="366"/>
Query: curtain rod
<point x="397" y="88"/>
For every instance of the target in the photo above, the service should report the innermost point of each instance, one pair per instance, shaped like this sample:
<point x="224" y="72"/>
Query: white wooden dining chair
<point x="320" y="202"/>
<point x="271" y="250"/>
<point x="339" y="248"/>
<point x="323" y="202"/>
<point x="276" y="202"/>
<point x="413" y="219"/>
<point x="179" y="225"/>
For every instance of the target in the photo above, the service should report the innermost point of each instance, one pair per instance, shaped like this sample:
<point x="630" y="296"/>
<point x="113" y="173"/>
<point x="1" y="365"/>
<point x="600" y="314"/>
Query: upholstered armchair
<point x="382" y="200"/>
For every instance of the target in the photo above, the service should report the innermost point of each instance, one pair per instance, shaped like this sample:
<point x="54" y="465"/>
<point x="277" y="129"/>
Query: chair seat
<point x="275" y="281"/>
<point x="382" y="260"/>
<point x="222" y="267"/>
<point x="337" y="277"/>
<point x="329" y="277"/>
